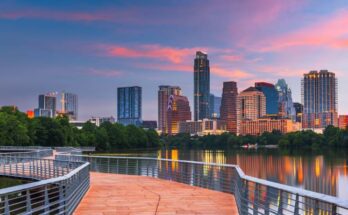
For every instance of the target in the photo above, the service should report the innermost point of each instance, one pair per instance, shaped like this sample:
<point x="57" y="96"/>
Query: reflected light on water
<point x="317" y="173"/>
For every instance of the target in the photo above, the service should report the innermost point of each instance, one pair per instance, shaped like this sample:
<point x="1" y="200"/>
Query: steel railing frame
<point x="59" y="189"/>
<point x="26" y="151"/>
<point x="252" y="195"/>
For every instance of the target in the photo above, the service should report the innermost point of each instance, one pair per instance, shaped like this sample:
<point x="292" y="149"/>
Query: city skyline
<point x="92" y="50"/>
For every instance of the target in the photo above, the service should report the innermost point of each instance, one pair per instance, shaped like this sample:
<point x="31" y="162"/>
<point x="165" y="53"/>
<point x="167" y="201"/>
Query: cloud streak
<point x="154" y="51"/>
<point x="330" y="32"/>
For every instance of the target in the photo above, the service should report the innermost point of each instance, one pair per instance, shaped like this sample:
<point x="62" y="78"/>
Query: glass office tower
<point x="69" y="105"/>
<point x="201" y="86"/>
<point x="272" y="97"/>
<point x="129" y="105"/>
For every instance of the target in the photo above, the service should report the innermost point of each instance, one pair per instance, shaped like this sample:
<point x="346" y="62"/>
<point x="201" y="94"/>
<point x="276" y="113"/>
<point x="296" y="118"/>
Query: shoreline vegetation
<point x="16" y="129"/>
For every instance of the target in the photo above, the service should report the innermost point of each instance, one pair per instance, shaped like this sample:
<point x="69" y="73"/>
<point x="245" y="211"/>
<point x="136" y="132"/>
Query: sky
<point x="92" y="47"/>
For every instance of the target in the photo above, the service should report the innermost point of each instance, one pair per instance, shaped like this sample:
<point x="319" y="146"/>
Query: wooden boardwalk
<point x="124" y="194"/>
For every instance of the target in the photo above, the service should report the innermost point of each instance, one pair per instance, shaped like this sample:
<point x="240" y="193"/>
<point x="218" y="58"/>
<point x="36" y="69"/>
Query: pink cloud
<point x="229" y="73"/>
<point x="173" y="55"/>
<point x="328" y="32"/>
<point x="214" y="70"/>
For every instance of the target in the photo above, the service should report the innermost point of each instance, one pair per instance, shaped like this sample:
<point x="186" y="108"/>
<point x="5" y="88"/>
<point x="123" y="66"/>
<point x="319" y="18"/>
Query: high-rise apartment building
<point x="163" y="95"/>
<point x="251" y="105"/>
<point x="272" y="97"/>
<point x="129" y="105"/>
<point x="201" y="86"/>
<point x="319" y="95"/>
<point x="70" y="105"/>
<point x="286" y="106"/>
<point x="228" y="110"/>
<point x="47" y="105"/>
<point x="178" y="111"/>
<point x="214" y="106"/>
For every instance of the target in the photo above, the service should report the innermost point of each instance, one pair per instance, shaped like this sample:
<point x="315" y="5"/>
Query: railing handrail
<point x="45" y="181"/>
<point x="295" y="190"/>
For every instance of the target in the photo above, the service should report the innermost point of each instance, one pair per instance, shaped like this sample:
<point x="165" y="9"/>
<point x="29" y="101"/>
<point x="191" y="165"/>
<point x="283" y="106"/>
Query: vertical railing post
<point x="47" y="206"/>
<point x="117" y="166"/>
<point x="28" y="202"/>
<point x="136" y="168"/>
<point x="297" y="209"/>
<point x="7" y="206"/>
<point x="268" y="201"/>
<point x="61" y="199"/>
<point x="245" y="198"/>
<point x="334" y="209"/>
<point x="108" y="165"/>
<point x="126" y="166"/>
<point x="316" y="207"/>
<point x="280" y="207"/>
<point x="256" y="199"/>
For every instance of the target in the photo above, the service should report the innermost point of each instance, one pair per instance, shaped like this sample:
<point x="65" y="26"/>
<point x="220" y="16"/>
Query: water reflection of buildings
<point x="311" y="173"/>
<point x="308" y="173"/>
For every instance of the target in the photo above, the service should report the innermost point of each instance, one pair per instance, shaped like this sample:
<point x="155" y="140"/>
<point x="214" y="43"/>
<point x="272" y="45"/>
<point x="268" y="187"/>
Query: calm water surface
<point x="325" y="172"/>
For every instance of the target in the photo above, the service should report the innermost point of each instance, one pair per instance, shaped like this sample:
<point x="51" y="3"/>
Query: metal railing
<point x="61" y="185"/>
<point x="252" y="195"/>
<point x="69" y="149"/>
<point x="26" y="151"/>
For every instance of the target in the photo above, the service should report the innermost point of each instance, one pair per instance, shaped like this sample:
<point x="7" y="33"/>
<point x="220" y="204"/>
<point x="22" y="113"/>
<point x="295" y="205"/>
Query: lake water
<point x="324" y="172"/>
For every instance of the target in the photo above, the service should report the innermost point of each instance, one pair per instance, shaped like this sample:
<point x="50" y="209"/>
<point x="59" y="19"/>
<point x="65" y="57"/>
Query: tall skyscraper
<point x="129" y="105"/>
<point x="272" y="97"/>
<point x="251" y="105"/>
<point x="178" y="111"/>
<point x="228" y="110"/>
<point x="163" y="95"/>
<point x="70" y="105"/>
<point x="201" y="86"/>
<point x="214" y="106"/>
<point x="286" y="106"/>
<point x="319" y="95"/>
<point x="47" y="105"/>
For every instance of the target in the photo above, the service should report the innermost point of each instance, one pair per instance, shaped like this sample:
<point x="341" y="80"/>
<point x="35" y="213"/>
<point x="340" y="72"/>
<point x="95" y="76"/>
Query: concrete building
<point x="343" y="121"/>
<point x="47" y="105"/>
<point x="319" y="99"/>
<point x="259" y="126"/>
<point x="178" y="111"/>
<point x="201" y="80"/>
<point x="164" y="92"/>
<point x="251" y="105"/>
<point x="203" y="127"/>
<point x="129" y="105"/>
<point x="228" y="110"/>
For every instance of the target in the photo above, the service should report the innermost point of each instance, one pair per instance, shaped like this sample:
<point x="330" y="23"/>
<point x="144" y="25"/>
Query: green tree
<point x="12" y="131"/>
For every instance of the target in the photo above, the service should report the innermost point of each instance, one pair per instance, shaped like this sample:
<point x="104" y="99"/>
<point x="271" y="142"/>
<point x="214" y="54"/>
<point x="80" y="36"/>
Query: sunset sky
<point x="92" y="47"/>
